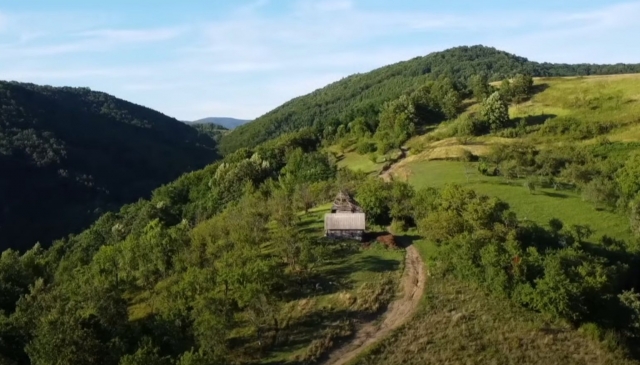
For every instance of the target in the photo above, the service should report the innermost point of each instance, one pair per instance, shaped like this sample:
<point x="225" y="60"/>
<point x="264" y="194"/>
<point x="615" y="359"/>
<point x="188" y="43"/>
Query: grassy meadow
<point x="459" y="323"/>
<point x="539" y="206"/>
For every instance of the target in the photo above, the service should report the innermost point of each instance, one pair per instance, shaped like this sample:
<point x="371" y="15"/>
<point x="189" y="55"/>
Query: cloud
<point x="324" y="6"/>
<point x="263" y="53"/>
<point x="121" y="36"/>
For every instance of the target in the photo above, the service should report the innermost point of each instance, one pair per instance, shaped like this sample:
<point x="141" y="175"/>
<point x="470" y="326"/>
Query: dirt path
<point x="386" y="174"/>
<point x="397" y="313"/>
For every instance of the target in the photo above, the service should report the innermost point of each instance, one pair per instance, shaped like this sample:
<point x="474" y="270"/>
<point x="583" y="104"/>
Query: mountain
<point x="69" y="154"/>
<point x="363" y="94"/>
<point x="229" y="123"/>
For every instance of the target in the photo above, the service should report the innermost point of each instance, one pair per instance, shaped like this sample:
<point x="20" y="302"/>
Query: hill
<point x="67" y="155"/>
<point x="228" y="123"/>
<point x="362" y="95"/>
<point x="227" y="264"/>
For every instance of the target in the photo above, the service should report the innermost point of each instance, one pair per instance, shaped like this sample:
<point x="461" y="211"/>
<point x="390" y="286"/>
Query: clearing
<point x="413" y="282"/>
<point x="457" y="322"/>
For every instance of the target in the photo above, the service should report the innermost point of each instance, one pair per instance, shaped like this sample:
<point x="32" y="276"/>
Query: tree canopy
<point x="363" y="95"/>
<point x="70" y="154"/>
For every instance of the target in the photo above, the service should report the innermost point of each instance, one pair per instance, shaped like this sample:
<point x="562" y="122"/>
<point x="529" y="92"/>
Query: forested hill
<point x="228" y="123"/>
<point x="69" y="154"/>
<point x="364" y="94"/>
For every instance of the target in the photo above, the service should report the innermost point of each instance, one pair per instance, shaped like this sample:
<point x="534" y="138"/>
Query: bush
<point x="365" y="147"/>
<point x="574" y="128"/>
<point x="318" y="348"/>
<point x="398" y="226"/>
<point x="469" y="125"/>
<point x="467" y="156"/>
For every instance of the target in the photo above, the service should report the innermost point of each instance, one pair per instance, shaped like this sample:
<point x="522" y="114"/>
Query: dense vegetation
<point x="363" y="95"/>
<point x="227" y="123"/>
<point x="226" y="264"/>
<point x="68" y="155"/>
<point x="214" y="268"/>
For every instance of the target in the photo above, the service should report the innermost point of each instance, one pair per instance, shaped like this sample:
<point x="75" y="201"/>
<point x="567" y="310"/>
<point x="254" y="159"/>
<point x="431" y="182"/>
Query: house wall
<point x="345" y="234"/>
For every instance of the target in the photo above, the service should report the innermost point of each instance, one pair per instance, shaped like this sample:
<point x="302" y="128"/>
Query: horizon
<point x="244" y="59"/>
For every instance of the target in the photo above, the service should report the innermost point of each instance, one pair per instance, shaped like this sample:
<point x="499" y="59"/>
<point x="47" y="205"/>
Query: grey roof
<point x="344" y="221"/>
<point x="345" y="203"/>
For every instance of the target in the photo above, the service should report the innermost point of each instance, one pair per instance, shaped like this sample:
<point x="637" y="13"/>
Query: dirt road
<point x="397" y="313"/>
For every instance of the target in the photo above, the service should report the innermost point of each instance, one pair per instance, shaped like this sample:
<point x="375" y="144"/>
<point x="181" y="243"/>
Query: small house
<point x="346" y="220"/>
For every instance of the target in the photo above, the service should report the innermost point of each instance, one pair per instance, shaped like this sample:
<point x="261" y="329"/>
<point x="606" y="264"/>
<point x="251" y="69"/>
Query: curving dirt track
<point x="398" y="312"/>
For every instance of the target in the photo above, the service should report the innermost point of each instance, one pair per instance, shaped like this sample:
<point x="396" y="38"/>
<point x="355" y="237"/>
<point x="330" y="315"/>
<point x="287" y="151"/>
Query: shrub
<point x="365" y="147"/>
<point x="319" y="347"/>
<point x="398" y="226"/>
<point x="467" y="156"/>
<point x="574" y="128"/>
<point x="469" y="125"/>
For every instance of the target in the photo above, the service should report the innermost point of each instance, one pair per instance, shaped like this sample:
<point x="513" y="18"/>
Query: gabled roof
<point x="345" y="203"/>
<point x="344" y="221"/>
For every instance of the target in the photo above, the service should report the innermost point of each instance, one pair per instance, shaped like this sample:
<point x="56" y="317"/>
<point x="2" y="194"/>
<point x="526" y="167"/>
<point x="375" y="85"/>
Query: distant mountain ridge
<point x="229" y="123"/>
<point x="67" y="155"/>
<point x="362" y="95"/>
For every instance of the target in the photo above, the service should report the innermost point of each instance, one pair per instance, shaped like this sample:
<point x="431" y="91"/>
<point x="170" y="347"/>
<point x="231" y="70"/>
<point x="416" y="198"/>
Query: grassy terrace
<point x="539" y="206"/>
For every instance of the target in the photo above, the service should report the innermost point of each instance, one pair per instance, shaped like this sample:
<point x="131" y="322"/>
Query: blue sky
<point x="193" y="59"/>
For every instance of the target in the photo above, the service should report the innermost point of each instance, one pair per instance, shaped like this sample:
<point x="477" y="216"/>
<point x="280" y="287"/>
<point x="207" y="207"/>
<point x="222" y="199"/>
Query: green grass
<point x="540" y="207"/>
<point x="358" y="162"/>
<point x="340" y="280"/>
<point x="614" y="99"/>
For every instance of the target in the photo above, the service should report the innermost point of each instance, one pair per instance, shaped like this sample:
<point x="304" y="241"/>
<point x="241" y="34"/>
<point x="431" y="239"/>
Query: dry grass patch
<point x="460" y="324"/>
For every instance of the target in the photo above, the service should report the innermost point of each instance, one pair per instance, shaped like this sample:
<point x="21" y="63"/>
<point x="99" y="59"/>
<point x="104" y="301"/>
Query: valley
<point x="514" y="202"/>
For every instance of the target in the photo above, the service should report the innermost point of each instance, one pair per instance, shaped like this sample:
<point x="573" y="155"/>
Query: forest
<point x="362" y="95"/>
<point x="226" y="264"/>
<point x="69" y="155"/>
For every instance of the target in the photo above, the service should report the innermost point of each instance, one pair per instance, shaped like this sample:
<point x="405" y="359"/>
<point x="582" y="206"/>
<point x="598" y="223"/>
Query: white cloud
<point x="324" y="5"/>
<point x="119" y="36"/>
<point x="252" y="60"/>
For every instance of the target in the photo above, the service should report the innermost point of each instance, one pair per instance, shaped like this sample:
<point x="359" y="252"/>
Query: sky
<point x="192" y="59"/>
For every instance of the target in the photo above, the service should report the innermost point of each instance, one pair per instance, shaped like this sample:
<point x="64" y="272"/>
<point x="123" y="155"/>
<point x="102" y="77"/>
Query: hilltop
<point x="362" y="95"/>
<point x="70" y="154"/>
<point x="228" y="123"/>
<point x="520" y="196"/>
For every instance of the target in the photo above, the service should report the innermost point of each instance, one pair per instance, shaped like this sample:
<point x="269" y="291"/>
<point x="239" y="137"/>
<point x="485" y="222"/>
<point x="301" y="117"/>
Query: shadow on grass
<point x="537" y="89"/>
<point x="532" y="120"/>
<point x="407" y="240"/>
<point x="555" y="195"/>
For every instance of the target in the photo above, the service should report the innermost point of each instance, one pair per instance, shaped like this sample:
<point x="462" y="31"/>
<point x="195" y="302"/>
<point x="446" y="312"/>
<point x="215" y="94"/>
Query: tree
<point x="495" y="111"/>
<point x="146" y="354"/>
<point x="304" y="197"/>
<point x="400" y="205"/>
<point x="445" y="94"/>
<point x="397" y="122"/>
<point x="424" y="202"/>
<point x="602" y="192"/>
<point x="450" y="104"/>
<point x="521" y="87"/>
<point x="506" y="90"/>
<point x="480" y="87"/>
<point x="530" y="183"/>
<point x="373" y="196"/>
<point x="628" y="177"/>
<point x="634" y="215"/>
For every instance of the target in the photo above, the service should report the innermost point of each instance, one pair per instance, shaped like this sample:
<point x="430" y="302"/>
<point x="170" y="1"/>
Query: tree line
<point x="363" y="95"/>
